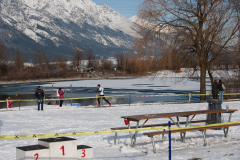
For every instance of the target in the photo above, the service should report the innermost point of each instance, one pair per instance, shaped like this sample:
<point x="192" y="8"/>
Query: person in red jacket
<point x="61" y="93"/>
<point x="9" y="102"/>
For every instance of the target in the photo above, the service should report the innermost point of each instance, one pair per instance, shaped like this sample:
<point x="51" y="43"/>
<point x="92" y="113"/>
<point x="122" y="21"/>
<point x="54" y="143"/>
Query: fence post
<point x="96" y="100"/>
<point x="71" y="95"/>
<point x="7" y="103"/>
<point x="44" y="95"/>
<point x="190" y="97"/>
<point x="52" y="94"/>
<point x="130" y="100"/>
<point x="19" y="104"/>
<point x="169" y="137"/>
<point x="65" y="96"/>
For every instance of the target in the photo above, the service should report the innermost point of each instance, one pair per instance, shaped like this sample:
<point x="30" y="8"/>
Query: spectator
<point x="39" y="93"/>
<point x="215" y="89"/>
<point x="221" y="89"/>
<point x="61" y="93"/>
<point x="9" y="102"/>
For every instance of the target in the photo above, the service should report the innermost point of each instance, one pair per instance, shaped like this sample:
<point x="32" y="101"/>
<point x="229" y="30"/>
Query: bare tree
<point x="77" y="58"/>
<point x="120" y="61"/>
<point x="91" y="60"/>
<point x="41" y="59"/>
<point x="61" y="62"/>
<point x="18" y="59"/>
<point x="106" y="64"/>
<point x="197" y="29"/>
<point x="3" y="53"/>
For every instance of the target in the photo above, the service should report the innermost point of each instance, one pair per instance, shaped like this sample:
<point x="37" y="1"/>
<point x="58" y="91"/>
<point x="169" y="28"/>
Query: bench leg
<point x="227" y="128"/>
<point x="130" y="134"/>
<point x="163" y="134"/>
<point x="135" y="135"/>
<point x="178" y="125"/>
<point x="204" y="137"/>
<point x="184" y="133"/>
<point x="153" y="143"/>
<point x="115" y="138"/>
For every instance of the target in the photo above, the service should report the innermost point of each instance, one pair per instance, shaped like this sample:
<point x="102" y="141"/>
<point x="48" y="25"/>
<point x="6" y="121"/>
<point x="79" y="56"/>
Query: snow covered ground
<point x="76" y="119"/>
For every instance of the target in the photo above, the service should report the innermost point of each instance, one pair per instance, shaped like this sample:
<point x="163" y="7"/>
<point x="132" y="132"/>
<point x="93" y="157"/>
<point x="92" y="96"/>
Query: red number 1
<point x="83" y="153"/>
<point x="36" y="155"/>
<point x="62" y="150"/>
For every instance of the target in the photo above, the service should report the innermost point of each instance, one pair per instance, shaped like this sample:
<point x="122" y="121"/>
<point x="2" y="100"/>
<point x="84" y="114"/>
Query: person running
<point x="61" y="93"/>
<point x="39" y="93"/>
<point x="101" y="95"/>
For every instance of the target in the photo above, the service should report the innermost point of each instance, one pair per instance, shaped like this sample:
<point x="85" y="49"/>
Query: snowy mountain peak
<point x="67" y="23"/>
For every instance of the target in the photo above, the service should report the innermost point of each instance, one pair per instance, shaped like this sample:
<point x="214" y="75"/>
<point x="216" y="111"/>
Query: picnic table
<point x="190" y="115"/>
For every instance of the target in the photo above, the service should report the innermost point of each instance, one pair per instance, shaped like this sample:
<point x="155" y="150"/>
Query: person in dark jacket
<point x="220" y="90"/>
<point x="215" y="89"/>
<point x="39" y="93"/>
<point x="61" y="93"/>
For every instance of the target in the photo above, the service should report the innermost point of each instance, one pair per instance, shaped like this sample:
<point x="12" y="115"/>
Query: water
<point x="87" y="88"/>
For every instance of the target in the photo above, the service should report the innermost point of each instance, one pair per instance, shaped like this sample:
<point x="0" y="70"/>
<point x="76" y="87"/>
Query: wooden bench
<point x="156" y="125"/>
<point x="203" y="129"/>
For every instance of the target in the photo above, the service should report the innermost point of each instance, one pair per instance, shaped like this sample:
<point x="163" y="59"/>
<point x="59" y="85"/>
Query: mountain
<point x="56" y="26"/>
<point x="146" y="24"/>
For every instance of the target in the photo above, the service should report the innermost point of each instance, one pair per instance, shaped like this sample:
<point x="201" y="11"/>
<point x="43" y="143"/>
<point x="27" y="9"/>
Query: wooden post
<point x="7" y="103"/>
<point x="44" y="94"/>
<point x="71" y="95"/>
<point x="52" y="95"/>
<point x="96" y="101"/>
<point x="65" y="96"/>
<point x="190" y="97"/>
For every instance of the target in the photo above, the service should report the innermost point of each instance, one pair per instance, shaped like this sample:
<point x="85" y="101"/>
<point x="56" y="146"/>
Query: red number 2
<point x="36" y="155"/>
<point x="62" y="150"/>
<point x="83" y="153"/>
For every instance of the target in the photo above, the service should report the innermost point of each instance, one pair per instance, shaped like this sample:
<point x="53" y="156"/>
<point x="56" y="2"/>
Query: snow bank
<point x="76" y="119"/>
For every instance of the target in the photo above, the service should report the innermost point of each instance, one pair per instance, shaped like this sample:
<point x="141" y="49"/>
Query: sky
<point x="128" y="8"/>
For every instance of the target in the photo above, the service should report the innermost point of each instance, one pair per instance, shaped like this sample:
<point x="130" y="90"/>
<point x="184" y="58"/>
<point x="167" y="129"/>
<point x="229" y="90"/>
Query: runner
<point x="101" y="95"/>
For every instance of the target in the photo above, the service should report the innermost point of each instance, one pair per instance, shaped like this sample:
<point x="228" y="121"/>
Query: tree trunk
<point x="203" y="83"/>
<point x="210" y="74"/>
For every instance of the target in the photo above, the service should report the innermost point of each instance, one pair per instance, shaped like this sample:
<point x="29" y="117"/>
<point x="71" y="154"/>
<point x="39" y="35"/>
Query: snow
<point x="31" y="34"/>
<point x="194" y="74"/>
<point x="76" y="119"/>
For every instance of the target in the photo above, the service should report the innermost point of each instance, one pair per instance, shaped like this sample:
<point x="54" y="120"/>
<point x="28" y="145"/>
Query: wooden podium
<point x="54" y="149"/>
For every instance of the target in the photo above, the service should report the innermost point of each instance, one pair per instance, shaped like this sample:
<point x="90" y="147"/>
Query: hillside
<point x="56" y="26"/>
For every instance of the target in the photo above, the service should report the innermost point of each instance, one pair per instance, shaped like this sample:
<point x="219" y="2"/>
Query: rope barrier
<point x="118" y="96"/>
<point x="2" y="137"/>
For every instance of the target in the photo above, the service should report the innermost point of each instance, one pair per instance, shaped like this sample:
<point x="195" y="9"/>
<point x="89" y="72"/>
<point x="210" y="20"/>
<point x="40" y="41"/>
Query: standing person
<point x="221" y="88"/>
<point x="101" y="95"/>
<point x="9" y="102"/>
<point x="61" y="93"/>
<point x="215" y="89"/>
<point x="39" y="93"/>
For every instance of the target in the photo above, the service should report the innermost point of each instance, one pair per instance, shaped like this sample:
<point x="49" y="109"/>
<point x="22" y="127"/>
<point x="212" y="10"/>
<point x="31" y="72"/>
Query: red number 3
<point x="36" y="155"/>
<point x="62" y="150"/>
<point x="83" y="153"/>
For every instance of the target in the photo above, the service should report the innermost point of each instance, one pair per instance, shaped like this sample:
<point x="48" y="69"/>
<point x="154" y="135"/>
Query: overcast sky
<point x="128" y="8"/>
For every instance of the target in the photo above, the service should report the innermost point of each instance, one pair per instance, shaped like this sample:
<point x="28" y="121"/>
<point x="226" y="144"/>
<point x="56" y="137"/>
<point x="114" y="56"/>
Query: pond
<point x="88" y="88"/>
